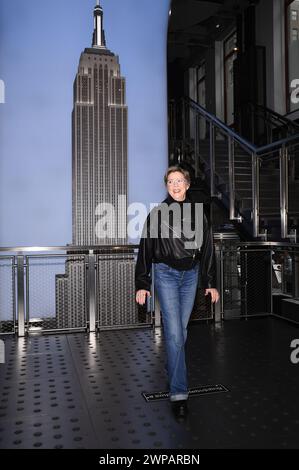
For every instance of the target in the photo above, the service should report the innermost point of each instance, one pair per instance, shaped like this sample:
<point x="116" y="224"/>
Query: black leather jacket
<point x="172" y="251"/>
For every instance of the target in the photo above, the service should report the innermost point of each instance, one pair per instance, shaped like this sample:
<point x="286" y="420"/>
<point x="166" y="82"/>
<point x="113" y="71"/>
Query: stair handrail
<point x="228" y="130"/>
<point x="279" y="117"/>
<point x="273" y="121"/>
<point x="264" y="149"/>
<point x="249" y="146"/>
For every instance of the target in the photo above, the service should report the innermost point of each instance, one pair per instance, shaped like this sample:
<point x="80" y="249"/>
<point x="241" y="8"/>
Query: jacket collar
<point x="169" y="200"/>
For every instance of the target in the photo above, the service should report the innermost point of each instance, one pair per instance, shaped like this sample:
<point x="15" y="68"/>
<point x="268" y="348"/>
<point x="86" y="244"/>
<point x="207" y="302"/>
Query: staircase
<point x="268" y="203"/>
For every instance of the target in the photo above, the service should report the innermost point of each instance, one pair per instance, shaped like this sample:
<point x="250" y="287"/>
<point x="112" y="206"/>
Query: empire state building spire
<point x="98" y="39"/>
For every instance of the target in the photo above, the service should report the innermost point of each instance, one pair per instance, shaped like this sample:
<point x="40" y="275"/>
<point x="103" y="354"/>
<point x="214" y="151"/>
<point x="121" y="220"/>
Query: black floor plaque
<point x="201" y="390"/>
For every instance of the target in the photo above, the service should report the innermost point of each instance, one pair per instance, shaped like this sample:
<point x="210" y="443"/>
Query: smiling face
<point x="177" y="186"/>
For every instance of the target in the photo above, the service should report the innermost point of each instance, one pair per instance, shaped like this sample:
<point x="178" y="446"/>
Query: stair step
<point x="267" y="198"/>
<point x="269" y="214"/>
<point x="243" y="187"/>
<point x="246" y="204"/>
<point x="269" y="178"/>
<point x="238" y="168"/>
<point x="224" y="159"/>
<point x="221" y="144"/>
<point x="273" y="207"/>
<point x="238" y="158"/>
<point x="275" y="213"/>
<point x="239" y="161"/>
<point x="224" y="152"/>
<point x="242" y="178"/>
<point x="270" y="184"/>
<point x="269" y="203"/>
<point x="269" y="192"/>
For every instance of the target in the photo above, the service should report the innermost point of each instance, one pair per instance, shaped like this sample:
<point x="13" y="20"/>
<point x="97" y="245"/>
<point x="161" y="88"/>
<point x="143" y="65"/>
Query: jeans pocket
<point x="162" y="267"/>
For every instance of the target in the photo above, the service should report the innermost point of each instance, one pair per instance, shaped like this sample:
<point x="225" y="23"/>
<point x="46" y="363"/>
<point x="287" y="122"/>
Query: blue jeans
<point x="176" y="292"/>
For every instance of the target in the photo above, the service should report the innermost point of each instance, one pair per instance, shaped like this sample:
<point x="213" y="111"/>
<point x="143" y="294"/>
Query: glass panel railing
<point x="269" y="195"/>
<point x="118" y="308"/>
<point x="7" y="295"/>
<point x="56" y="292"/>
<point x="87" y="288"/>
<point x="232" y="301"/>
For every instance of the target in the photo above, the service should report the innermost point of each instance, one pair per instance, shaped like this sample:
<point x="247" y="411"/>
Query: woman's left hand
<point x="214" y="294"/>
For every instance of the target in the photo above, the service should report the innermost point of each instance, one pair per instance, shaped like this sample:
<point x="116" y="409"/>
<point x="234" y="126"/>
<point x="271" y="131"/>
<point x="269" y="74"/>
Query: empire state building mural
<point x="99" y="176"/>
<point x="99" y="132"/>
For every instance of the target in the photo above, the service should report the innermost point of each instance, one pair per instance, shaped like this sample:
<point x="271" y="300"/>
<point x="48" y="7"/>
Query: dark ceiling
<point x="195" y="25"/>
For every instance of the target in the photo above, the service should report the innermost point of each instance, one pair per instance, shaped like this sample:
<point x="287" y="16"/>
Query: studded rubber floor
<point x="80" y="391"/>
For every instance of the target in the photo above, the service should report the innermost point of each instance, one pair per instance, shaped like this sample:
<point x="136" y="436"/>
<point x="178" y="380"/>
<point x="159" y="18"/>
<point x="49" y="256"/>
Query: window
<point x="201" y="84"/>
<point x="230" y="54"/>
<point x="201" y="96"/>
<point x="197" y="87"/>
<point x="294" y="15"/>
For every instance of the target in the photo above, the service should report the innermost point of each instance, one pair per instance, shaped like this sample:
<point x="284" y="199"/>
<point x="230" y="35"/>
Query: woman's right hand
<point x="141" y="296"/>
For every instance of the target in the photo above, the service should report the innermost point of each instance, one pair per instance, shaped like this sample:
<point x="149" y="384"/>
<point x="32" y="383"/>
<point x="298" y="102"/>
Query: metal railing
<point x="92" y="289"/>
<point x="69" y="288"/>
<point x="262" y="125"/>
<point x="268" y="125"/>
<point x="76" y="288"/>
<point x="213" y="149"/>
<point x="258" y="279"/>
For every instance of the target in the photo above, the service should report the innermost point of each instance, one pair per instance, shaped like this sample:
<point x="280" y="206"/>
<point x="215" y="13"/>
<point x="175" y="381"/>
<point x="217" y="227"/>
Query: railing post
<point x="295" y="272"/>
<point x="27" y="290"/>
<point x="255" y="193"/>
<point x="283" y="164"/>
<point x="91" y="280"/>
<point x="196" y="145"/>
<point x="212" y="158"/>
<point x="231" y="177"/>
<point x="20" y="295"/>
<point x="218" y="309"/>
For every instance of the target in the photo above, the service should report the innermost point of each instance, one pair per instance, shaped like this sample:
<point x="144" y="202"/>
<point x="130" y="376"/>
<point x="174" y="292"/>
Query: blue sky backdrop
<point x="40" y="46"/>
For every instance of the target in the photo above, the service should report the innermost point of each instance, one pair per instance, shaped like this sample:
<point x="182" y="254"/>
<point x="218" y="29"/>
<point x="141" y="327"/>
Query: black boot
<point x="180" y="409"/>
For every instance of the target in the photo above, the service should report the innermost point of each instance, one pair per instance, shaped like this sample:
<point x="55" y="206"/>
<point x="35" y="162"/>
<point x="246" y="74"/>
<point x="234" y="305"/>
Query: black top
<point x="172" y="250"/>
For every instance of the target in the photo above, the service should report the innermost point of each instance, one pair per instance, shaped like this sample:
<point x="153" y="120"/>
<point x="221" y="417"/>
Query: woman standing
<point x="176" y="271"/>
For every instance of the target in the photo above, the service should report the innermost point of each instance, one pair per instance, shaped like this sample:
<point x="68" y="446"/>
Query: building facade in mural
<point x="99" y="176"/>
